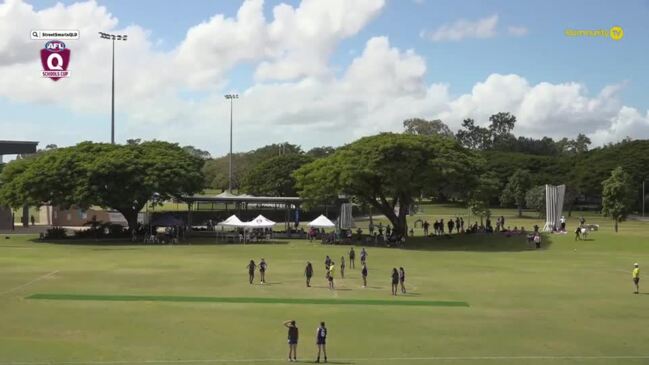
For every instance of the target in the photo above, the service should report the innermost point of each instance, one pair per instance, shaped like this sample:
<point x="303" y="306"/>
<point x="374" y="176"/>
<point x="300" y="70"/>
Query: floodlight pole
<point x="231" y="97"/>
<point x="119" y="37"/>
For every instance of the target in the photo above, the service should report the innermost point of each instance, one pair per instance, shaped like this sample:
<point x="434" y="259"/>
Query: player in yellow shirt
<point x="636" y="277"/>
<point x="330" y="277"/>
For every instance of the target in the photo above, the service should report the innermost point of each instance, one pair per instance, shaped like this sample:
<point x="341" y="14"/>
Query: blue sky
<point x="542" y="55"/>
<point x="545" y="54"/>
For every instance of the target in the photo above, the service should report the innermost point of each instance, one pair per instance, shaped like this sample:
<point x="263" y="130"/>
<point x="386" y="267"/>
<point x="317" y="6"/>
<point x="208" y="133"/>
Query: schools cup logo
<point x="55" y="58"/>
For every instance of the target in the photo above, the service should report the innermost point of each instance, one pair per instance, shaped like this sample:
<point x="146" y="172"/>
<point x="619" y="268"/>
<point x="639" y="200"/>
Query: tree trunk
<point x="520" y="211"/>
<point x="616" y="225"/>
<point x="130" y="215"/>
<point x="398" y="222"/>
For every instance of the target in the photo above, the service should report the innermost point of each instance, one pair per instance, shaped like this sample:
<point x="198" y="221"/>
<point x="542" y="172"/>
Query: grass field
<point x="569" y="303"/>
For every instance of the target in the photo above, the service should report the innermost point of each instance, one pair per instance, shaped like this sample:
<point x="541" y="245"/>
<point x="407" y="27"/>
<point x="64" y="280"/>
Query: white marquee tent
<point x="321" y="222"/>
<point x="232" y="221"/>
<point x="260" y="222"/>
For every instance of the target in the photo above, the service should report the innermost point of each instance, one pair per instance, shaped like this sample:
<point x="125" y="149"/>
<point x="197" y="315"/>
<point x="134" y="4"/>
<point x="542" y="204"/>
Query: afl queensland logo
<point x="55" y="58"/>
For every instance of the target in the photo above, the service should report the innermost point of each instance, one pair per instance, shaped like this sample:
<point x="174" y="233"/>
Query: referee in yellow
<point x="636" y="277"/>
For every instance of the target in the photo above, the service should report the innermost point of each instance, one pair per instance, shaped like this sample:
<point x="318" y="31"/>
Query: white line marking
<point x="29" y="282"/>
<point x="433" y="358"/>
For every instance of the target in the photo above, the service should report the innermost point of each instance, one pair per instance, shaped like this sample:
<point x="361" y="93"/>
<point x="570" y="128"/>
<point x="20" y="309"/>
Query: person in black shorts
<point x="395" y="280"/>
<point x="364" y="274"/>
<point x="342" y="267"/>
<point x="352" y="257"/>
<point x="321" y="341"/>
<point x="251" y="271"/>
<point x="262" y="270"/>
<point x="327" y="262"/>
<point x="292" y="339"/>
<point x="402" y="278"/>
<point x="308" y="272"/>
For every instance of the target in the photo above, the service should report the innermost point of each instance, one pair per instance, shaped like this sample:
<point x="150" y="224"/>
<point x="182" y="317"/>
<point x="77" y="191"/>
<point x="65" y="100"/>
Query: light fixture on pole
<point x="113" y="37"/>
<point x="231" y="97"/>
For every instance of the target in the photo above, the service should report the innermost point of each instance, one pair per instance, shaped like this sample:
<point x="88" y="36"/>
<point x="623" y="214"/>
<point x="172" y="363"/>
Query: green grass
<point x="526" y="306"/>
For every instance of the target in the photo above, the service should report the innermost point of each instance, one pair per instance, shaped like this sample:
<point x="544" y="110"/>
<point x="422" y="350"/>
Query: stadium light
<point x="113" y="37"/>
<point x="231" y="97"/>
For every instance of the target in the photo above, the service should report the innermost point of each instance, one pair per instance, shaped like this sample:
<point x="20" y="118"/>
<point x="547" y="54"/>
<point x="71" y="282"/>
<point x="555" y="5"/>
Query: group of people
<point x="398" y="276"/>
<point x="293" y="337"/>
<point x="439" y="226"/>
<point x="330" y="268"/>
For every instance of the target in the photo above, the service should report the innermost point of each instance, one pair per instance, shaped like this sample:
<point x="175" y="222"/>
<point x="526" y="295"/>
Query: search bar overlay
<point x="59" y="34"/>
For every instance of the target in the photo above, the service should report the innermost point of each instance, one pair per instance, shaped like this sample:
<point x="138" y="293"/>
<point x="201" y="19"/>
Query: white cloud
<point x="296" y="97"/>
<point x="517" y="31"/>
<point x="462" y="29"/>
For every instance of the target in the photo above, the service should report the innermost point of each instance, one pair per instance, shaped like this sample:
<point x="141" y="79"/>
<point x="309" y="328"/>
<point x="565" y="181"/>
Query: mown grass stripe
<point x="247" y="300"/>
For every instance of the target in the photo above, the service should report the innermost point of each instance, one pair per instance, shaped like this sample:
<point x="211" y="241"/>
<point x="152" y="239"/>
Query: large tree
<point x="387" y="171"/>
<point x="273" y="177"/>
<point x="514" y="193"/>
<point x="535" y="199"/>
<point x="485" y="191"/>
<point x="427" y="127"/>
<point x="120" y="177"/>
<point x="617" y="195"/>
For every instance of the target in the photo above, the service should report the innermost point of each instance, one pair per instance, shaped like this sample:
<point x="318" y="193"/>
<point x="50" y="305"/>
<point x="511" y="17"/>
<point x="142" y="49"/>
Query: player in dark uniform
<point x="402" y="277"/>
<point x="251" y="271"/>
<point x="364" y="274"/>
<point x="292" y="339"/>
<point x="342" y="267"/>
<point x="363" y="256"/>
<point x="327" y="262"/>
<point x="395" y="280"/>
<point x="321" y="341"/>
<point x="308" y="272"/>
<point x="262" y="270"/>
<point x="352" y="257"/>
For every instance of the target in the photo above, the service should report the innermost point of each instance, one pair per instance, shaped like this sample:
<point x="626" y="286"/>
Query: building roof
<point x="17" y="147"/>
<point x="242" y="199"/>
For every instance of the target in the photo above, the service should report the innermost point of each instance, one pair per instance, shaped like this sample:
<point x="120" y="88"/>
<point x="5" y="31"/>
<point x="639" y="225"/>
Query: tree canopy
<point x="427" y="127"/>
<point x="120" y="177"/>
<point x="617" y="195"/>
<point x="273" y="177"/>
<point x="386" y="171"/>
<point x="514" y="193"/>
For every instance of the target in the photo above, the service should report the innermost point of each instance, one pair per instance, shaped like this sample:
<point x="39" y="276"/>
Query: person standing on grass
<point x="402" y="278"/>
<point x="308" y="272"/>
<point x="352" y="257"/>
<point x="462" y="224"/>
<point x="636" y="277"/>
<point x="330" y="275"/>
<point x="321" y="341"/>
<point x="363" y="256"/>
<point x="292" y="339"/>
<point x="364" y="274"/>
<point x="537" y="240"/>
<point x="251" y="270"/>
<point x="342" y="267"/>
<point x="426" y="225"/>
<point x="262" y="270"/>
<point x="327" y="262"/>
<point x="578" y="234"/>
<point x="450" y="225"/>
<point x="395" y="280"/>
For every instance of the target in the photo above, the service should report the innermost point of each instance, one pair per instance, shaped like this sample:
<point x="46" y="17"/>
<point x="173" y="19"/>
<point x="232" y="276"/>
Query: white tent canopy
<point x="232" y="221"/>
<point x="260" y="222"/>
<point x="321" y="222"/>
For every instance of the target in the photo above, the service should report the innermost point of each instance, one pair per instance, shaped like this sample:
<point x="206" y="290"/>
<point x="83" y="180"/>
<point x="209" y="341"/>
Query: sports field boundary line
<point x="29" y="283"/>
<point x="244" y="300"/>
<point x="368" y="359"/>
